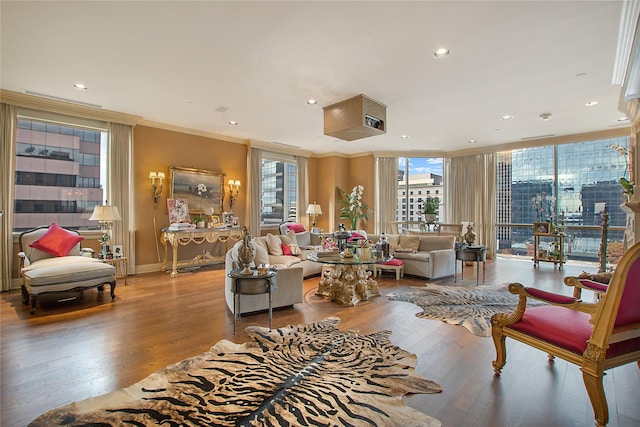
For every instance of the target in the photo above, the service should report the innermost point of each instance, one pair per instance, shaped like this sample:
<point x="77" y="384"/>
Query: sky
<point x="420" y="165"/>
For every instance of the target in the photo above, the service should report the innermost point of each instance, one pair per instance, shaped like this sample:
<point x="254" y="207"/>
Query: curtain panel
<point x="302" y="166"/>
<point x="387" y="192"/>
<point x="120" y="178"/>
<point x="254" y="175"/>
<point x="8" y="115"/>
<point x="470" y="195"/>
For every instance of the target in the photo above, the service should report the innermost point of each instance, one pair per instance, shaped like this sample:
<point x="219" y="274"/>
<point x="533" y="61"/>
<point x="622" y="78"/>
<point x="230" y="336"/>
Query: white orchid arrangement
<point x="625" y="183"/>
<point x="353" y="208"/>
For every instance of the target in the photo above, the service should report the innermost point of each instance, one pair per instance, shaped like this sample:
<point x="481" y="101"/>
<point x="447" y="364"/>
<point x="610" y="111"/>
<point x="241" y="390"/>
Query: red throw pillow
<point x="286" y="250"/>
<point x="296" y="227"/>
<point x="395" y="261"/>
<point x="56" y="241"/>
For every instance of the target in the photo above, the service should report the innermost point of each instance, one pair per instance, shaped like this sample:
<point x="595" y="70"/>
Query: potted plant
<point x="198" y="221"/>
<point x="430" y="209"/>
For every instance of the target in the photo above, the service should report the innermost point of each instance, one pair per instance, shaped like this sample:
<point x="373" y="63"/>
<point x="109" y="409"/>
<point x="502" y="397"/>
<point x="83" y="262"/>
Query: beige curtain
<point x="8" y="122"/>
<point x="470" y="195"/>
<point x="254" y="195"/>
<point x="387" y="192"/>
<point x="303" y="190"/>
<point x="120" y="187"/>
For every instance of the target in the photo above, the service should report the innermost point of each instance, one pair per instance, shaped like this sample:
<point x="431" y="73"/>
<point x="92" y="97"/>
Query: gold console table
<point x="198" y="236"/>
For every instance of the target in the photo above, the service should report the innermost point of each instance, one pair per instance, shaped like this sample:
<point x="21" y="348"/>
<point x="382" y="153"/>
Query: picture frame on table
<point x="542" y="228"/>
<point x="202" y="189"/>
<point x="117" y="251"/>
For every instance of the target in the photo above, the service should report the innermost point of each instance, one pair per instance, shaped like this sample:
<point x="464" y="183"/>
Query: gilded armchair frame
<point x="605" y="332"/>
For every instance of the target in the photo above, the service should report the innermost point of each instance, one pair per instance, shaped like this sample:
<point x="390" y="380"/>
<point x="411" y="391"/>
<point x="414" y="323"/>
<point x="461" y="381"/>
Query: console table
<point x="198" y="236"/>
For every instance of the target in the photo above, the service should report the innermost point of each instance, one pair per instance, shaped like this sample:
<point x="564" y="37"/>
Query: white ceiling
<point x="180" y="63"/>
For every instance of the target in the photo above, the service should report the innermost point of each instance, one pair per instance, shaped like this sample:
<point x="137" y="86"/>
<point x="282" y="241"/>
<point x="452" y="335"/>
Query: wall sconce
<point x="105" y="215"/>
<point x="234" y="187"/>
<point x="156" y="189"/>
<point x="314" y="210"/>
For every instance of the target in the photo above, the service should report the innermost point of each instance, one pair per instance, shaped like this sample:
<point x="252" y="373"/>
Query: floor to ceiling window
<point x="279" y="190"/>
<point x="569" y="185"/>
<point x="419" y="178"/>
<point x="60" y="174"/>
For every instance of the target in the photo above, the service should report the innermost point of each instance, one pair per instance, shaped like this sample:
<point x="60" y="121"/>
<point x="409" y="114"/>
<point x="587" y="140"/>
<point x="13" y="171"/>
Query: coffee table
<point x="347" y="279"/>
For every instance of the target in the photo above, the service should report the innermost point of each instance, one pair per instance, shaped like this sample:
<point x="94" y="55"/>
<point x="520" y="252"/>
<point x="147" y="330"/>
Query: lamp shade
<point x="314" y="209"/>
<point x="105" y="213"/>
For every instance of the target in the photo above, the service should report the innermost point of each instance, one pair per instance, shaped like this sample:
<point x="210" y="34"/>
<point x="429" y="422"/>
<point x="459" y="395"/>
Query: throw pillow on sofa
<point x="289" y="238"/>
<point x="273" y="244"/>
<point x="409" y="241"/>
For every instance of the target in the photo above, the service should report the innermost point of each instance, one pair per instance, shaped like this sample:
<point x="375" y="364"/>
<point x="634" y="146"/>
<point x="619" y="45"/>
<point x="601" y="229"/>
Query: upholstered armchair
<point x="51" y="261"/>
<point x="596" y="336"/>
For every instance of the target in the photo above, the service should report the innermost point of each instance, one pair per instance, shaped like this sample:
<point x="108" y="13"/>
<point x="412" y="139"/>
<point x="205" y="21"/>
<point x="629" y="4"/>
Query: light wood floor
<point x="79" y="349"/>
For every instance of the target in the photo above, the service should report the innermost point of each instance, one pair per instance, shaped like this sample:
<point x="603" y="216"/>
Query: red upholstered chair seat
<point x="395" y="261"/>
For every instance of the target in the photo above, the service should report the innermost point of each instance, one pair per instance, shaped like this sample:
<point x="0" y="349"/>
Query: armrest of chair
<point x="582" y="283"/>
<point x="24" y="260"/>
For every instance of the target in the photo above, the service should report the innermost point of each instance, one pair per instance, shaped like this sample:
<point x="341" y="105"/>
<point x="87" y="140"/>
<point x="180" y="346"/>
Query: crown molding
<point x="189" y="131"/>
<point x="276" y="147"/>
<point x="67" y="108"/>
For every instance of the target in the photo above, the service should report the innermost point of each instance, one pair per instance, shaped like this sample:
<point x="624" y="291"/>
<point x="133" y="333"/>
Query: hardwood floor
<point x="78" y="349"/>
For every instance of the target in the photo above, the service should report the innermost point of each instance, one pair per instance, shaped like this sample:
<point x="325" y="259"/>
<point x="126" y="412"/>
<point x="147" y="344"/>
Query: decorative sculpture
<point x="246" y="252"/>
<point x="470" y="235"/>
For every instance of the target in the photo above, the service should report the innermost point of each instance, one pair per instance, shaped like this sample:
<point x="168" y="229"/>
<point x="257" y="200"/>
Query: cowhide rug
<point x="299" y="375"/>
<point x="470" y="307"/>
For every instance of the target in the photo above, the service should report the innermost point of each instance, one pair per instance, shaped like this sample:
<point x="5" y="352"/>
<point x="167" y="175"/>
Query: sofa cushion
<point x="393" y="240"/>
<point x="284" y="260"/>
<point x="418" y="256"/>
<point x="289" y="238"/>
<point x="285" y="249"/>
<point x="262" y="256"/>
<point x="304" y="238"/>
<point x="273" y="244"/>
<point x="433" y="243"/>
<point x="67" y="272"/>
<point x="57" y="241"/>
<point x="408" y="241"/>
<point x="50" y="262"/>
<point x="262" y="242"/>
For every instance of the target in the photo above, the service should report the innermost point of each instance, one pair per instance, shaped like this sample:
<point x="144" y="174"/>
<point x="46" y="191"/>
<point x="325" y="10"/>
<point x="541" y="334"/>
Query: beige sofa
<point x="292" y="269"/>
<point x="424" y="255"/>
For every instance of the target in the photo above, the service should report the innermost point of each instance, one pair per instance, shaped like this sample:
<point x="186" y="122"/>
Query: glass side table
<point x="122" y="262"/>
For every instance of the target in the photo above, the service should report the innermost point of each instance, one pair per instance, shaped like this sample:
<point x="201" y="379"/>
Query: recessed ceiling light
<point x="80" y="86"/>
<point x="404" y="136"/>
<point x="233" y="122"/>
<point x="545" y="116"/>
<point x="441" y="53"/>
<point x="591" y="103"/>
<point x="581" y="75"/>
<point x="472" y="141"/>
<point x="312" y="101"/>
<point x="622" y="119"/>
<point x="506" y="117"/>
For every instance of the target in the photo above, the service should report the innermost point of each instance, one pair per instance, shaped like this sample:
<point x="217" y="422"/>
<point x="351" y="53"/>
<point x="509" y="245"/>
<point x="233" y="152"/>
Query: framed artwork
<point x="215" y="220"/>
<point x="202" y="189"/>
<point x="178" y="210"/>
<point x="542" y="228"/>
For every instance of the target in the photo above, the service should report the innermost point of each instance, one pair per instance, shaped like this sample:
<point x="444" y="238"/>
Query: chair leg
<point x="33" y="298"/>
<point x="113" y="289"/>
<point x="595" y="390"/>
<point x="501" y="349"/>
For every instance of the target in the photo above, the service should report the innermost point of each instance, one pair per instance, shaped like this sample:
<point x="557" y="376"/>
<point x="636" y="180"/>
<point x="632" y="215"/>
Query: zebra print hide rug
<point x="470" y="307"/>
<point x="304" y="375"/>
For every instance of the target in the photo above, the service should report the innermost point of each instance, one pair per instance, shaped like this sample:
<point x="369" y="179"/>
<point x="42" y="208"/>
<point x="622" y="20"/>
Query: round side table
<point x="251" y="284"/>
